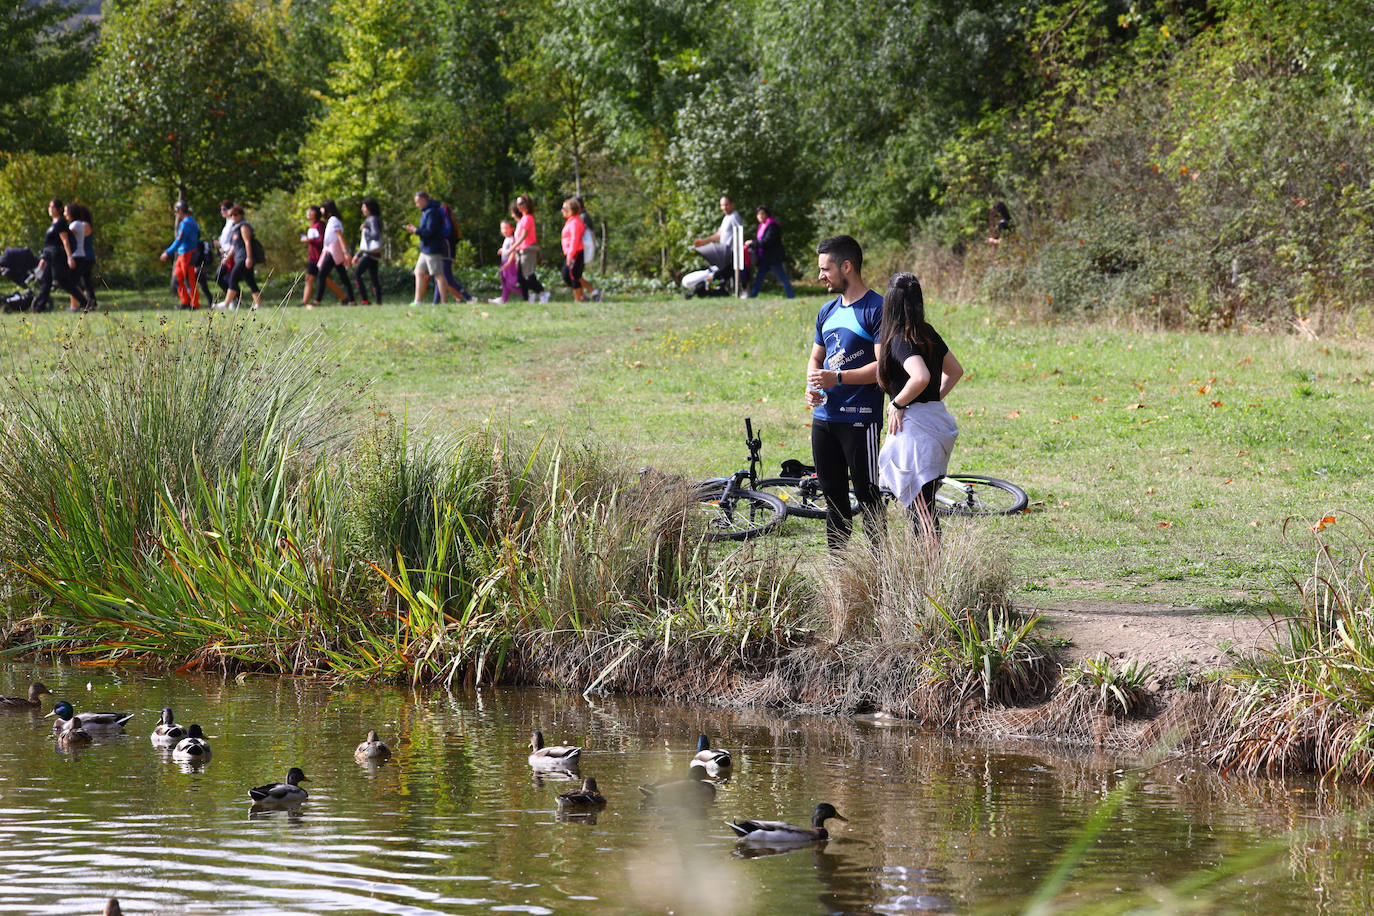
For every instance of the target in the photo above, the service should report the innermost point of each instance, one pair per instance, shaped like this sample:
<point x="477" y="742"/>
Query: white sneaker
<point x="221" y="305"/>
<point x="532" y="297"/>
<point x="596" y="295"/>
<point x="496" y="301"/>
<point x="544" y="296"/>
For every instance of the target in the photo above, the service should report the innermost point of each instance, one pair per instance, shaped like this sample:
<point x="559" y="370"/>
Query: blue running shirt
<point x="849" y="334"/>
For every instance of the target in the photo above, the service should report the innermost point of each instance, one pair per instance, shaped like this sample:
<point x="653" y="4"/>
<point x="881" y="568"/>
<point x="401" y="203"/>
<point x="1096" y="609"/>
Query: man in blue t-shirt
<point x="842" y="389"/>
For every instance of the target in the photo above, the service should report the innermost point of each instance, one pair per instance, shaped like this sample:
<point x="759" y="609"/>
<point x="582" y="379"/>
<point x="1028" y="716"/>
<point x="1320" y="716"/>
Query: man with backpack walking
<point x="433" y="248"/>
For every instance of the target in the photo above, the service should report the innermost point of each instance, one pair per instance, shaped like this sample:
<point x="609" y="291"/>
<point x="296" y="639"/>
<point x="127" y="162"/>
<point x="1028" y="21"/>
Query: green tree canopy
<point x="38" y="54"/>
<point x="186" y="94"/>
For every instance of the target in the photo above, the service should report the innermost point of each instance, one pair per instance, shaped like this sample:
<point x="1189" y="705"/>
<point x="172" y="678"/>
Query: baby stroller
<point x="18" y="265"/>
<point x="716" y="279"/>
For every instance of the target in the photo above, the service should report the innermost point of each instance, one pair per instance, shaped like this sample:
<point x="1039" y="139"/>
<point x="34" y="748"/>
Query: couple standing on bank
<point x="867" y="345"/>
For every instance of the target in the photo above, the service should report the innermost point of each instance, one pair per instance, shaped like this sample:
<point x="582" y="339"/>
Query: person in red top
<point x="527" y="251"/>
<point x="314" y="247"/>
<point x="574" y="251"/>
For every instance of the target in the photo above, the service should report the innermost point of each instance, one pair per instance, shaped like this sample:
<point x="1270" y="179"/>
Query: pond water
<point x="456" y="823"/>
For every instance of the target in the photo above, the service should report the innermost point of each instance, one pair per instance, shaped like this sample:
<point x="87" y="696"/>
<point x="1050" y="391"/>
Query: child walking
<point x="510" y="264"/>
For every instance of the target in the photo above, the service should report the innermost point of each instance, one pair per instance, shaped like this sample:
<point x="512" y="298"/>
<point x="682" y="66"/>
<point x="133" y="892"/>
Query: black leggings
<point x="367" y="264"/>
<point x="572" y="275"/>
<point x="528" y="284"/>
<point x="82" y="273"/>
<point x="55" y="271"/>
<point x="845" y="454"/>
<point x="243" y="274"/>
<point x="326" y="265"/>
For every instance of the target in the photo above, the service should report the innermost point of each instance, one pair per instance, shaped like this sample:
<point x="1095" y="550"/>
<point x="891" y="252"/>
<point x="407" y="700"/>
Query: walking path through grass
<point x="1166" y="470"/>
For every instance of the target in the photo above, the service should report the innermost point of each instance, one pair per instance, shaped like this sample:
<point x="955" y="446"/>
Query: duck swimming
<point x="714" y="759"/>
<point x="36" y="690"/>
<point x="587" y="798"/>
<point x="554" y="757"/>
<point x="781" y="833"/>
<point x="281" y="794"/>
<point x="193" y="746"/>
<point x="372" y="750"/>
<point x="90" y="720"/>
<point x="168" y="733"/>
<point x="72" y="732"/>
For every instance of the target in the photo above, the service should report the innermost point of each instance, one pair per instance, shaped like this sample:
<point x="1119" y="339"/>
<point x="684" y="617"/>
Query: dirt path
<point x="1172" y="639"/>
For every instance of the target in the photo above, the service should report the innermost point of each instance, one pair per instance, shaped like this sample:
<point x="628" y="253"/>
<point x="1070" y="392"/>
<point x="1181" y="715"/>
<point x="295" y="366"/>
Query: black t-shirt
<point x="52" y="239"/>
<point x="899" y="350"/>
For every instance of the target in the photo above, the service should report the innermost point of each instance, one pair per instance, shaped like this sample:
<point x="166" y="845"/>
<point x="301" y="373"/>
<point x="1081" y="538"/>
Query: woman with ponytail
<point x="917" y="370"/>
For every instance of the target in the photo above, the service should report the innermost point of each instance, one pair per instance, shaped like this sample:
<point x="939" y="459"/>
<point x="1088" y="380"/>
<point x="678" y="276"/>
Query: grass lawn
<point x="1162" y="467"/>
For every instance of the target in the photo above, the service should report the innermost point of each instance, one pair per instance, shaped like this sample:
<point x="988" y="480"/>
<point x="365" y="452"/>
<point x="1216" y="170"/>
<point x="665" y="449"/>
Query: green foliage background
<point x="1197" y="162"/>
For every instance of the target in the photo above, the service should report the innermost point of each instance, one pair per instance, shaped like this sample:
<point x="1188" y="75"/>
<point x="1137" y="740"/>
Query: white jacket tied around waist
<point x="920" y="452"/>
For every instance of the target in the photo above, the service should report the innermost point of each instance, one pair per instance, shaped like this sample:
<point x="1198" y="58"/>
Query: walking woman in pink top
<point x="527" y="251"/>
<point x="574" y="251"/>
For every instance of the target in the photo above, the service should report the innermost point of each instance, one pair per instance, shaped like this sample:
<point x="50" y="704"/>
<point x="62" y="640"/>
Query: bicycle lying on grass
<point x="744" y="505"/>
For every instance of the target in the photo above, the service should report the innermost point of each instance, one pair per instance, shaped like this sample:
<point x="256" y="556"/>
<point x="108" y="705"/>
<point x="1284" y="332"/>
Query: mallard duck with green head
<point x="168" y="733"/>
<point x="36" y="690"/>
<point x="553" y="757"/>
<point x="372" y="750"/>
<point x="281" y="794"/>
<point x="92" y="721"/>
<point x="72" y="731"/>
<point x="716" y="760"/>
<point x="193" y="747"/>
<point x="781" y="833"/>
<point x="587" y="798"/>
<point x="694" y="790"/>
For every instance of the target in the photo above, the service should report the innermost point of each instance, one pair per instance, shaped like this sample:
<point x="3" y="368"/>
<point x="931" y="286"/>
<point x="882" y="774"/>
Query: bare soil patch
<point x="1175" y="640"/>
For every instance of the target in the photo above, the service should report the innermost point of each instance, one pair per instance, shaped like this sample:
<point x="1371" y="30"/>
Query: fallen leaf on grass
<point x="1098" y="400"/>
<point x="1205" y="389"/>
<point x="1013" y="414"/>
<point x="1166" y="524"/>
<point x="1326" y="522"/>
<point x="1149" y="491"/>
<point x="1216" y="403"/>
<point x="1134" y="406"/>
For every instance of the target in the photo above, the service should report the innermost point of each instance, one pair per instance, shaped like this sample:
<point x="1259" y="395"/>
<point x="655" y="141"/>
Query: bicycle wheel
<point x="974" y="494"/>
<point x="741" y="515"/>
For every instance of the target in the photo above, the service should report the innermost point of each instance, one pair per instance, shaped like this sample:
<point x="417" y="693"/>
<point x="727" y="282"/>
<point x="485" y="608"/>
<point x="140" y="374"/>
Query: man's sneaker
<point x="532" y="297"/>
<point x="596" y="295"/>
<point x="544" y="296"/>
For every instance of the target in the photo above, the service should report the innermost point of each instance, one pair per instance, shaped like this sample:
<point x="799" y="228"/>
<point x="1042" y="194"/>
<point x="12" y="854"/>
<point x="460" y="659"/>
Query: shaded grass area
<point x="1162" y="466"/>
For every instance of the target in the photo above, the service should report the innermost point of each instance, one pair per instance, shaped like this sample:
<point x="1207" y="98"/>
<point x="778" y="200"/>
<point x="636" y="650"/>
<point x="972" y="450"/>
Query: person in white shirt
<point x="715" y="248"/>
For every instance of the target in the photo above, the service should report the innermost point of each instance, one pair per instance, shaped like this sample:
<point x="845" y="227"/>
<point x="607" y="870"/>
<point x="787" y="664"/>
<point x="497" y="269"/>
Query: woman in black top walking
<point x="369" y="253"/>
<point x="917" y="370"/>
<point x="55" y="266"/>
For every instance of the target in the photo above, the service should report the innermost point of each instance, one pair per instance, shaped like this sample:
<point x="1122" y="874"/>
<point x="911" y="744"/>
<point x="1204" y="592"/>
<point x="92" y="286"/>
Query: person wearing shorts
<point x="842" y="390"/>
<point x="433" y="247"/>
